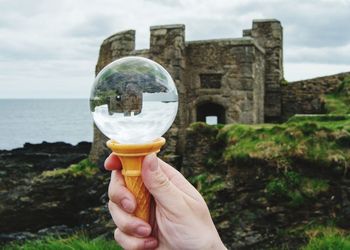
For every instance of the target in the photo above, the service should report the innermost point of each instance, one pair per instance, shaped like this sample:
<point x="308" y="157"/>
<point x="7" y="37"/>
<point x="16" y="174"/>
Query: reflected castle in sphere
<point x="127" y="102"/>
<point x="133" y="100"/>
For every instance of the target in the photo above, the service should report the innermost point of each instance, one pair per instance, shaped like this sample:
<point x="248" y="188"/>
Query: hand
<point x="180" y="218"/>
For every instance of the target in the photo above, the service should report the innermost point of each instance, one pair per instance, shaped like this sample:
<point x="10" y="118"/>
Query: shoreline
<point x="49" y="143"/>
<point x="39" y="184"/>
<point x="43" y="156"/>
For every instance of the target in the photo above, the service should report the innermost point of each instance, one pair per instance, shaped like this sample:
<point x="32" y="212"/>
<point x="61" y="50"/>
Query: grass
<point x="327" y="238"/>
<point x="317" y="140"/>
<point x="208" y="185"/>
<point x="295" y="189"/>
<point x="75" y="242"/>
<point x="83" y="168"/>
<point x="338" y="102"/>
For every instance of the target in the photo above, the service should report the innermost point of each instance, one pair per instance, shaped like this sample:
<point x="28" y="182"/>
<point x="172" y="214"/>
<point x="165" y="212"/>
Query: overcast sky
<point x="49" y="48"/>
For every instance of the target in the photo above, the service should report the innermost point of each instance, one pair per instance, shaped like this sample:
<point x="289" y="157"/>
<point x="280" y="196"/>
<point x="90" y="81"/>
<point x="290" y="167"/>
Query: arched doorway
<point x="211" y="113"/>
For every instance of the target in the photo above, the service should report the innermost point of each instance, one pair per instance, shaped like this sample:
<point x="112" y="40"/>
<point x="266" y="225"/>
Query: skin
<point x="180" y="218"/>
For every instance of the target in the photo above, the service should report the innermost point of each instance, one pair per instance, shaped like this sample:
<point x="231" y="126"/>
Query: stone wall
<point x="115" y="46"/>
<point x="241" y="64"/>
<point x="305" y="96"/>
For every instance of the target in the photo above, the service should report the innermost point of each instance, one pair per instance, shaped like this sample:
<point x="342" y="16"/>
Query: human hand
<point x="180" y="218"/>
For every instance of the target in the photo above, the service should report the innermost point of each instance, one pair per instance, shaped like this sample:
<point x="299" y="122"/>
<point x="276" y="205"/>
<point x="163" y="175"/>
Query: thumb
<point x="157" y="182"/>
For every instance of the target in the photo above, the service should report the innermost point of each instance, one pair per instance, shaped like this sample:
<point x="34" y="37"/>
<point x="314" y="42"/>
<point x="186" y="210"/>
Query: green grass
<point x="336" y="105"/>
<point x="83" y="168"/>
<point x="327" y="238"/>
<point x="76" y="242"/>
<point x="208" y="185"/>
<point x="295" y="189"/>
<point x="284" y="82"/>
<point x="317" y="140"/>
<point x="338" y="102"/>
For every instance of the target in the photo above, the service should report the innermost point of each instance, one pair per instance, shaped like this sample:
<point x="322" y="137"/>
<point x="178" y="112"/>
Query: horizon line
<point x="43" y="98"/>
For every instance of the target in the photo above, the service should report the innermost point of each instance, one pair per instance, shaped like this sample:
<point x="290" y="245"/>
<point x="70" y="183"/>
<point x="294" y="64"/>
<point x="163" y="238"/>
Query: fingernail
<point x="154" y="163"/>
<point x="142" y="231"/>
<point x="127" y="205"/>
<point x="150" y="243"/>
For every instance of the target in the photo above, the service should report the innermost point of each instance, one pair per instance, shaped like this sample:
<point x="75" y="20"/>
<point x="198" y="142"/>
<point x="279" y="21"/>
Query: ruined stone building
<point x="227" y="80"/>
<point x="236" y="80"/>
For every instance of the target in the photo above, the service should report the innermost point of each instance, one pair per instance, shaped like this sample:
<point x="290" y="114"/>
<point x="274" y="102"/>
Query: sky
<point x="49" y="48"/>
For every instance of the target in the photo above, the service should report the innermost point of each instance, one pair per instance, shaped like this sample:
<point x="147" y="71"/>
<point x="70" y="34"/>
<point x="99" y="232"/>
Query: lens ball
<point x="133" y="100"/>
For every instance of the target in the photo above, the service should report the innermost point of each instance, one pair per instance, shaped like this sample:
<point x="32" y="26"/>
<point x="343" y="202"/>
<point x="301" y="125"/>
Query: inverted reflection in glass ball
<point x="133" y="100"/>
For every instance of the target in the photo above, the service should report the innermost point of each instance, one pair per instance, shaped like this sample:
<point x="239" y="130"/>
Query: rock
<point x="60" y="230"/>
<point x="242" y="208"/>
<point x="247" y="215"/>
<point x="40" y="193"/>
<point x="18" y="237"/>
<point x="45" y="155"/>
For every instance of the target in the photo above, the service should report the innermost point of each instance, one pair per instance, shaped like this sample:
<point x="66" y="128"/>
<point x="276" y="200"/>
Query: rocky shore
<point x="50" y="188"/>
<point x="268" y="186"/>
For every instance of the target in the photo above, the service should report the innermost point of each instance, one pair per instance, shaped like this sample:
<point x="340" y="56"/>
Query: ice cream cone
<point x="131" y="157"/>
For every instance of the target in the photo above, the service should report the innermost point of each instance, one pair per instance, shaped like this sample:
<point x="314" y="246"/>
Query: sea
<point x="38" y="120"/>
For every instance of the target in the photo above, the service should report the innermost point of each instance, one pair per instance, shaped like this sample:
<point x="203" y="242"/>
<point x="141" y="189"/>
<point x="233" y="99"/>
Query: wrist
<point x="222" y="246"/>
<point x="215" y="245"/>
<point x="219" y="246"/>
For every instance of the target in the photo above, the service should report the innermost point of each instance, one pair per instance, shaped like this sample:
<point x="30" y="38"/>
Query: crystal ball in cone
<point x="133" y="100"/>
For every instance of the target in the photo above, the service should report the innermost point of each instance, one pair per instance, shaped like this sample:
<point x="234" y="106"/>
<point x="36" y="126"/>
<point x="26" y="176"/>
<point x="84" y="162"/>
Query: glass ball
<point x="133" y="100"/>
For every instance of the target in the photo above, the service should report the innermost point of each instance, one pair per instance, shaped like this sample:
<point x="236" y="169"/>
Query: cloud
<point x="300" y="71"/>
<point x="310" y="23"/>
<point x="46" y="79"/>
<point x="327" y="55"/>
<point x="58" y="41"/>
<point x="95" y="26"/>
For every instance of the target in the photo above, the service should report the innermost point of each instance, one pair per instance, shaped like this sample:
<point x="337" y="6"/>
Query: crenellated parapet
<point x="116" y="46"/>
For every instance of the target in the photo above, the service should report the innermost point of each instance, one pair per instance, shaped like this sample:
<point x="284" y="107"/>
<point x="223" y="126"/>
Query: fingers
<point x="132" y="232"/>
<point x="159" y="185"/>
<point x="119" y="194"/>
<point x="127" y="223"/>
<point x="179" y="180"/>
<point x="112" y="162"/>
<point x="129" y="242"/>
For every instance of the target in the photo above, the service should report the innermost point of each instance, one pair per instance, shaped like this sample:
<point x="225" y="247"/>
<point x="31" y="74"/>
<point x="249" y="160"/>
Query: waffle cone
<point x="131" y="157"/>
<point x="143" y="198"/>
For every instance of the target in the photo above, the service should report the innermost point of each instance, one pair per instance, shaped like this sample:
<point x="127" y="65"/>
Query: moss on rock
<point x="83" y="168"/>
<point x="295" y="188"/>
<point x="327" y="238"/>
<point x="319" y="142"/>
<point x="338" y="102"/>
<point x="260" y="180"/>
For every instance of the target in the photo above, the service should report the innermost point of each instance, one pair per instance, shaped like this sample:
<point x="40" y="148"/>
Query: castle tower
<point x="112" y="48"/>
<point x="269" y="35"/>
<point x="167" y="47"/>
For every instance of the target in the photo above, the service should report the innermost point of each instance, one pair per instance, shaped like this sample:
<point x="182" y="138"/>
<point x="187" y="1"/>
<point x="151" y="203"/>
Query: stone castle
<point x="238" y="80"/>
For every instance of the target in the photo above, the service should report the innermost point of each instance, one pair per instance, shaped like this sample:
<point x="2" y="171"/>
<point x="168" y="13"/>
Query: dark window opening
<point x="211" y="113"/>
<point x="210" y="81"/>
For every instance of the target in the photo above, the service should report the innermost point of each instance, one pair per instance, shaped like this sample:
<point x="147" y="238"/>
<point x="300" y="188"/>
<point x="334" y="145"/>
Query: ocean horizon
<point x="50" y="120"/>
